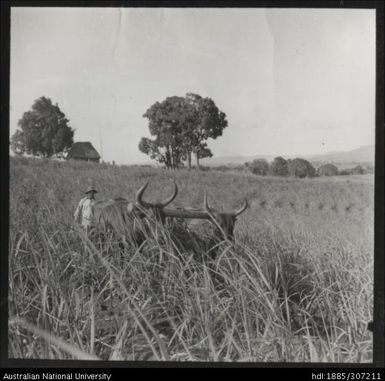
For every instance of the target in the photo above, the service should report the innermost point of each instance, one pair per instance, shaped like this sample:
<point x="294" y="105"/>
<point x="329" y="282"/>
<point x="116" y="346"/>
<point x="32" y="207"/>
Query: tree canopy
<point x="328" y="170"/>
<point x="259" y="167"/>
<point x="279" y="167"/>
<point x="44" y="130"/>
<point x="181" y="127"/>
<point x="357" y="170"/>
<point x="301" y="168"/>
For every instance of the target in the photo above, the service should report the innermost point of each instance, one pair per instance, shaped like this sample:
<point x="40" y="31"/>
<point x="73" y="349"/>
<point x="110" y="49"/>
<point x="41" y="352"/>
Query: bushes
<point x="300" y="168"/>
<point x="328" y="170"/>
<point x="279" y="167"/>
<point x="357" y="170"/>
<point x="259" y="167"/>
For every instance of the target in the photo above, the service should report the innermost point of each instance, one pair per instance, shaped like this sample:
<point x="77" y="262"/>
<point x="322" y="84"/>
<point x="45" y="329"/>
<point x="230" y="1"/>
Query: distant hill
<point x="232" y="161"/>
<point x="363" y="154"/>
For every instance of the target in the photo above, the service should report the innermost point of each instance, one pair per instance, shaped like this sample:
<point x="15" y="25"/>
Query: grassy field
<point x="295" y="286"/>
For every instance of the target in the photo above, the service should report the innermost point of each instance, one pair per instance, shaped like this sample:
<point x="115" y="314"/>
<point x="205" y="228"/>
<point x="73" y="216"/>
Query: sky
<point x="290" y="81"/>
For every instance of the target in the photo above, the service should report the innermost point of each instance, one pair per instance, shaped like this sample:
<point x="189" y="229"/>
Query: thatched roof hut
<point x="83" y="151"/>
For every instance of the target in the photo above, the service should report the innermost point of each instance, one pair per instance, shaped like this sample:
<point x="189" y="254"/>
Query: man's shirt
<point x="84" y="211"/>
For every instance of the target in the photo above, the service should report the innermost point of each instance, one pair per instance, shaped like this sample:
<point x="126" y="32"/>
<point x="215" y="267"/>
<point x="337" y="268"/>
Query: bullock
<point x="224" y="221"/>
<point x="127" y="219"/>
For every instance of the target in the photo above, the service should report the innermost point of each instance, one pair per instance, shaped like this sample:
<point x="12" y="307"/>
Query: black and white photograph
<point x="192" y="184"/>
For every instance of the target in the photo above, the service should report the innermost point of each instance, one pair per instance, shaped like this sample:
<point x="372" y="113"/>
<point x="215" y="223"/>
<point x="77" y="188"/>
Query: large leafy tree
<point x="44" y="130"/>
<point x="180" y="127"/>
<point x="166" y="122"/>
<point x="208" y="122"/>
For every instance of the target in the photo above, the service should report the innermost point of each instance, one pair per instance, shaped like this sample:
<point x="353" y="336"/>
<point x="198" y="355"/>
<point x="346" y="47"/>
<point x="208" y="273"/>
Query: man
<point x="84" y="212"/>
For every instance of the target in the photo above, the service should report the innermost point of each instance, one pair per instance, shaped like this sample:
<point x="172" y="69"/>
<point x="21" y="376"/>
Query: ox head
<point x="141" y="207"/>
<point x="225" y="221"/>
<point x="125" y="218"/>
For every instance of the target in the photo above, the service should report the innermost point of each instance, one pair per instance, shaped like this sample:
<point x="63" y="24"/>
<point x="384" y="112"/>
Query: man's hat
<point x="91" y="189"/>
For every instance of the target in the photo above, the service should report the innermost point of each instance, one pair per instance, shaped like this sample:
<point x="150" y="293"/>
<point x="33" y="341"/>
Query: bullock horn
<point x="171" y="198"/>
<point x="139" y="195"/>
<point x="242" y="209"/>
<point x="205" y="203"/>
<point x="206" y="206"/>
<point x="211" y="215"/>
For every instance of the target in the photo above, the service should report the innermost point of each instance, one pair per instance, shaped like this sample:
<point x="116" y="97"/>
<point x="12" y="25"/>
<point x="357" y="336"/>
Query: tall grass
<point x="295" y="285"/>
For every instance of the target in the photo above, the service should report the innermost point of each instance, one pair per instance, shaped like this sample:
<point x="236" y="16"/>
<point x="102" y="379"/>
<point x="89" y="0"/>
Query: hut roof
<point x="83" y="150"/>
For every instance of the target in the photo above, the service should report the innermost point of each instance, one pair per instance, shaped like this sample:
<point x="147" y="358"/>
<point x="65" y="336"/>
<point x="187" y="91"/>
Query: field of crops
<point x="296" y="285"/>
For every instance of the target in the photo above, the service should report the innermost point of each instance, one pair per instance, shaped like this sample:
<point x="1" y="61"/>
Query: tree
<point x="150" y="148"/>
<point x="166" y="122"/>
<point x="44" y="131"/>
<point x="301" y="168"/>
<point x="259" y="167"/>
<point x="18" y="143"/>
<point x="181" y="126"/>
<point x="368" y="168"/>
<point x="328" y="170"/>
<point x="208" y="122"/>
<point x="279" y="167"/>
<point x="202" y="151"/>
<point x="345" y="172"/>
<point x="357" y="170"/>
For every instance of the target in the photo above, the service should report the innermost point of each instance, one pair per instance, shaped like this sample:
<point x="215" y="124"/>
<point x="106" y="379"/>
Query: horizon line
<point x="263" y="155"/>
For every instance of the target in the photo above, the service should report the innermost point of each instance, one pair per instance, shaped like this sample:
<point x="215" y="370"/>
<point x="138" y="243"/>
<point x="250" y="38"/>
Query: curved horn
<point x="205" y="203"/>
<point x="171" y="198"/>
<point x="139" y="195"/>
<point x="242" y="209"/>
<point x="206" y="206"/>
<point x="212" y="216"/>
